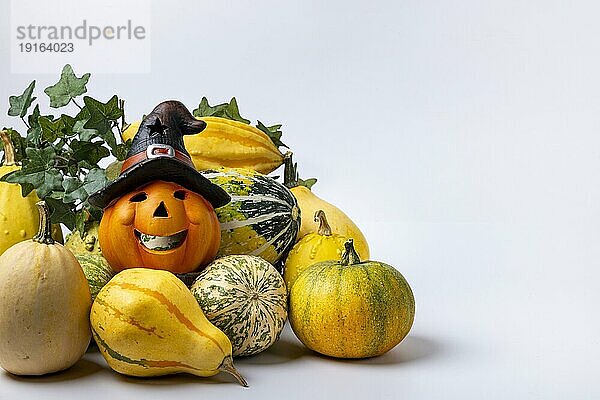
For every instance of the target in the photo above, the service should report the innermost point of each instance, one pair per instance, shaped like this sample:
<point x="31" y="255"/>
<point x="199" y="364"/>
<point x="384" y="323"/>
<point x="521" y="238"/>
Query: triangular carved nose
<point x="161" y="211"/>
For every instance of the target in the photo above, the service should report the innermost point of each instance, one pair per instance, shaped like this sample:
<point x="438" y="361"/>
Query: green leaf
<point x="38" y="172"/>
<point x="34" y="133"/>
<point x="122" y="149"/>
<point x="71" y="185"/>
<point x="232" y="112"/>
<point x="81" y="219"/>
<point x="307" y="182"/>
<point x="83" y="164"/>
<point x="273" y="132"/>
<point x="20" y="104"/>
<point x="94" y="180"/>
<point x="33" y="117"/>
<point x="102" y="118"/>
<point x="69" y="123"/>
<point x="83" y="133"/>
<point x="205" y="110"/>
<point x="52" y="130"/>
<point x="67" y="88"/>
<point x="61" y="212"/>
<point x="91" y="152"/>
<point x="113" y="170"/>
<point x="225" y="110"/>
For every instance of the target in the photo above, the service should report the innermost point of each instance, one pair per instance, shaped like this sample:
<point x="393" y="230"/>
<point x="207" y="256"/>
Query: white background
<point x="463" y="137"/>
<point x="100" y="56"/>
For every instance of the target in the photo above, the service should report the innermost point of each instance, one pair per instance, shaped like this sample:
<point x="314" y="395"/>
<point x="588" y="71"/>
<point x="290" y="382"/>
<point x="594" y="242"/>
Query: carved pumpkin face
<point x="160" y="225"/>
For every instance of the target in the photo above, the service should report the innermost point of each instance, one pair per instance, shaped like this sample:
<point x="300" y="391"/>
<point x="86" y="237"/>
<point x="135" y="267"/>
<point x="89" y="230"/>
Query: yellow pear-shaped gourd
<point x="313" y="248"/>
<point x="146" y="323"/>
<point x="44" y="305"/>
<point x="310" y="203"/>
<point x="19" y="217"/>
<point x="227" y="143"/>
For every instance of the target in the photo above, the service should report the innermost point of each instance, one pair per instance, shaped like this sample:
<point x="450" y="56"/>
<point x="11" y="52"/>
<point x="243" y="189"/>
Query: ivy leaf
<point x="232" y="112"/>
<point x="102" y="117"/>
<point x="81" y="220"/>
<point x="20" y="104"/>
<point x="273" y="132"/>
<point x="225" y="110"/>
<point x="113" y="170"/>
<point x="93" y="181"/>
<point x="83" y="164"/>
<point x="69" y="124"/>
<point x="90" y="152"/>
<point x="33" y="117"/>
<point x="83" y="133"/>
<point x="67" y="88"/>
<point x="38" y="173"/>
<point x="71" y="185"/>
<point x="61" y="212"/>
<point x="122" y="149"/>
<point x="52" y="130"/>
<point x="205" y="110"/>
<point x="34" y="133"/>
<point x="309" y="183"/>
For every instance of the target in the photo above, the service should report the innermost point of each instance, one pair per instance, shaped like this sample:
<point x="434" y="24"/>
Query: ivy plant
<point x="60" y="153"/>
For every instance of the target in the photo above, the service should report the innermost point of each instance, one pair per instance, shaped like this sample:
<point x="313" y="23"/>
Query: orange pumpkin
<point x="161" y="225"/>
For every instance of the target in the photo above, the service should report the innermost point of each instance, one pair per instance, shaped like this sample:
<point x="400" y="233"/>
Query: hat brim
<point x="164" y="169"/>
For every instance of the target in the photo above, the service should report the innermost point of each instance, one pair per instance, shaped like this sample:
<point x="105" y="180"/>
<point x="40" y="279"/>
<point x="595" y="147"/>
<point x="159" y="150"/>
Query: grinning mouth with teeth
<point x="161" y="243"/>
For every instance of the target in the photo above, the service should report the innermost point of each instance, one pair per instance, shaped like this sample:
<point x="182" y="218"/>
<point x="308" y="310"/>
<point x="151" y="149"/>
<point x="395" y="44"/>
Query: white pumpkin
<point x="44" y="305"/>
<point x="246" y="298"/>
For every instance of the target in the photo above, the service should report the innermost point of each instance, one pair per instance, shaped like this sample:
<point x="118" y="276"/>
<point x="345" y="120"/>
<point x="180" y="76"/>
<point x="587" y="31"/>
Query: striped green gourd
<point x="262" y="218"/>
<point x="96" y="270"/>
<point x="246" y="298"/>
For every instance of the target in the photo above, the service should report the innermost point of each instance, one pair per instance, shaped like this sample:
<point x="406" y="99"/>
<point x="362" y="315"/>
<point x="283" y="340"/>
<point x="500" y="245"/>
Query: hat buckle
<point x="159" y="150"/>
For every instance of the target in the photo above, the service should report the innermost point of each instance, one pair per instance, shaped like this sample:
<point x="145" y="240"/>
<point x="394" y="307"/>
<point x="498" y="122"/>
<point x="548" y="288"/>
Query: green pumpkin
<point x="349" y="308"/>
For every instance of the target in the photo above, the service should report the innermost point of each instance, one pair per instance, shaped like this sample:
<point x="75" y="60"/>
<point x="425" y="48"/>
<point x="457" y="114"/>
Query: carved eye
<point x="138" y="198"/>
<point x="180" y="194"/>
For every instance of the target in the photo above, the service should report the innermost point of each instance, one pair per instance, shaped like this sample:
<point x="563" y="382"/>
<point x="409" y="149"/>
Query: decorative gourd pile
<point x="272" y="249"/>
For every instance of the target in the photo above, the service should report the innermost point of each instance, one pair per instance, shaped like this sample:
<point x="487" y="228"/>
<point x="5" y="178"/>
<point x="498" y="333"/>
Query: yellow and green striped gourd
<point x="349" y="308"/>
<point x="146" y="323"/>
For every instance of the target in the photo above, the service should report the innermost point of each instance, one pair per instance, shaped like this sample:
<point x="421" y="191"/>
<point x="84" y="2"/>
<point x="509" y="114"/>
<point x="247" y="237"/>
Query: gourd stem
<point x="324" y="227"/>
<point x="227" y="366"/>
<point x="9" y="149"/>
<point x="290" y="171"/>
<point x="44" y="234"/>
<point x="350" y="256"/>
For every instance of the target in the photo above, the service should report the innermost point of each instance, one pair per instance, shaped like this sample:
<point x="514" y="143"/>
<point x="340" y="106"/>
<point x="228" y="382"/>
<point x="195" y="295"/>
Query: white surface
<point x="463" y="137"/>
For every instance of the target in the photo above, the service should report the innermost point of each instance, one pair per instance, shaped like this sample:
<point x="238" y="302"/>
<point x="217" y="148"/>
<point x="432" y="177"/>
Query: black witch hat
<point x="158" y="153"/>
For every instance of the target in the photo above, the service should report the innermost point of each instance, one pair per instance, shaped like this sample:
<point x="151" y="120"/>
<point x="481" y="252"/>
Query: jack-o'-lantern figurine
<point x="159" y="213"/>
